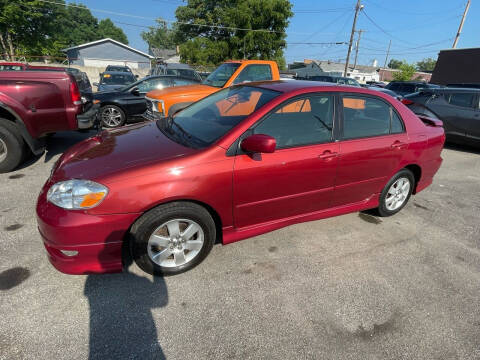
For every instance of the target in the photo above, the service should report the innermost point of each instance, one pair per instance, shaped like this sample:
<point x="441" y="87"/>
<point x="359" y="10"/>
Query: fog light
<point x="69" y="252"/>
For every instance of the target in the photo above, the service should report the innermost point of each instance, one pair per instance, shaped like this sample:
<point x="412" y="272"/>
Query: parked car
<point x="117" y="68"/>
<point x="12" y="66"/>
<point x="332" y="79"/>
<point x="376" y="83"/>
<point x="408" y="87"/>
<point x="465" y="85"/>
<point x="128" y="103"/>
<point x="243" y="161"/>
<point x="34" y="104"/>
<point x="386" y="91"/>
<point x="170" y="101"/>
<point x="458" y="108"/>
<point x="114" y="80"/>
<point x="181" y="70"/>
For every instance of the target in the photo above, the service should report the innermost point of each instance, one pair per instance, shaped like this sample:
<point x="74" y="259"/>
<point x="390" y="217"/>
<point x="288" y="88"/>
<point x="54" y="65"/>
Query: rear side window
<point x="460" y="99"/>
<point x="366" y="117"/>
<point x="254" y="72"/>
<point x="303" y="121"/>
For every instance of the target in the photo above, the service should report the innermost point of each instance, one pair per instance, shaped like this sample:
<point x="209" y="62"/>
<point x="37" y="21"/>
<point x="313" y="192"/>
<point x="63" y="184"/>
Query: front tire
<point x="396" y="193"/>
<point x="12" y="147"/>
<point x="112" y="116"/>
<point x="172" y="238"/>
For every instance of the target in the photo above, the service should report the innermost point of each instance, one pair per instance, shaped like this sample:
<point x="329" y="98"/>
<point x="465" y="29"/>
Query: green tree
<point x="159" y="36"/>
<point x="427" y="64"/>
<point x="26" y="26"/>
<point x="207" y="45"/>
<point x="394" y="64"/>
<point x="32" y="27"/>
<point x="405" y="73"/>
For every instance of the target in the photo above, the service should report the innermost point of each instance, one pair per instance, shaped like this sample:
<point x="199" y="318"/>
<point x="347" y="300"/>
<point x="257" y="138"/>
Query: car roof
<point x="454" y="89"/>
<point x="119" y="66"/>
<point x="291" y="86"/>
<point x="117" y="73"/>
<point x="251" y="61"/>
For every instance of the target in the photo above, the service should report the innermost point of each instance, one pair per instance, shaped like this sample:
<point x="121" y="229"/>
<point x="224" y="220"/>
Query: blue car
<point x="111" y="80"/>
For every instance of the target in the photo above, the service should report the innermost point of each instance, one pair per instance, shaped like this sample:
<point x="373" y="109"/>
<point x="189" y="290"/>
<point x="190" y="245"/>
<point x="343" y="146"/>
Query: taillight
<point x="75" y="93"/>
<point x="407" y="101"/>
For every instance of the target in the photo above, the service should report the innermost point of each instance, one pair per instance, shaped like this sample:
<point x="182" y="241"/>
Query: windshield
<point x="207" y="120"/>
<point x="220" y="75"/>
<point x="118" y="68"/>
<point x="117" y="79"/>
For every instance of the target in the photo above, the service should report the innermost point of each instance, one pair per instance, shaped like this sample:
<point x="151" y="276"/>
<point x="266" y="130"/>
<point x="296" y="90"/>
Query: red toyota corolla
<point x="244" y="161"/>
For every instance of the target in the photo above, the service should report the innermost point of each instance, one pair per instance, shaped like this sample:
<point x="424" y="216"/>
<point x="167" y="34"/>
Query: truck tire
<point x="12" y="147"/>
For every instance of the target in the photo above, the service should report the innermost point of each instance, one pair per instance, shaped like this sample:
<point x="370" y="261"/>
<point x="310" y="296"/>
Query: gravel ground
<point x="350" y="287"/>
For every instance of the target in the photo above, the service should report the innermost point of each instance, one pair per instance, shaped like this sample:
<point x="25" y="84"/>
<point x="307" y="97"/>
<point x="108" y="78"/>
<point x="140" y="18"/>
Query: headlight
<point x="77" y="194"/>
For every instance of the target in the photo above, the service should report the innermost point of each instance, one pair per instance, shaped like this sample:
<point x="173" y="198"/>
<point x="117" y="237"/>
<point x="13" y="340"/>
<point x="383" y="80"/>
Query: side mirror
<point x="259" y="143"/>
<point x="135" y="91"/>
<point x="95" y="84"/>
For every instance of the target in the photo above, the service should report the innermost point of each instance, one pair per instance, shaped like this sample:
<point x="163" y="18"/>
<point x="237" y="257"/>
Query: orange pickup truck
<point x="169" y="101"/>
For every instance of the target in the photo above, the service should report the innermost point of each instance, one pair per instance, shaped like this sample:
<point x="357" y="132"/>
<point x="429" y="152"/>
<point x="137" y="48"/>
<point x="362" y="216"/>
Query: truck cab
<point x="169" y="101"/>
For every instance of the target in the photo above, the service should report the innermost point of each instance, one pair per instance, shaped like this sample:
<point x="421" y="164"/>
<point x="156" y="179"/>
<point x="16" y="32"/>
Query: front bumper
<point x="80" y="243"/>
<point x="88" y="118"/>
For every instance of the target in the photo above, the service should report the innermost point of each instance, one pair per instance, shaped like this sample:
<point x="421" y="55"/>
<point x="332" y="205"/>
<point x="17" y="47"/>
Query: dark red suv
<point x="244" y="161"/>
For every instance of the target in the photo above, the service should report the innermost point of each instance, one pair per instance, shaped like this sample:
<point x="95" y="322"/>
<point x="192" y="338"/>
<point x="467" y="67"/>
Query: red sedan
<point x="244" y="161"/>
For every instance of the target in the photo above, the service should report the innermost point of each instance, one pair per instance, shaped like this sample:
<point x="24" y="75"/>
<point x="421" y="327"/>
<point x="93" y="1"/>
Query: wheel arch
<point x="8" y="114"/>
<point x="417" y="174"/>
<point x="213" y="213"/>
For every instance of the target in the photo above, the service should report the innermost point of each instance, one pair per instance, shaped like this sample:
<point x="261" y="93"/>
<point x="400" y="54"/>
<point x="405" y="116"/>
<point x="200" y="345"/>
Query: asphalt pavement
<point x="350" y="287"/>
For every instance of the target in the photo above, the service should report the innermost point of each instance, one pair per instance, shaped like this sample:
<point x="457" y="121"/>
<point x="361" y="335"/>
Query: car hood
<point x="116" y="152"/>
<point x="185" y="90"/>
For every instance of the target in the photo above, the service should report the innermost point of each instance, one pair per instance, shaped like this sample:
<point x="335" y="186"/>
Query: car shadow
<point x="121" y="320"/>
<point x="462" y="147"/>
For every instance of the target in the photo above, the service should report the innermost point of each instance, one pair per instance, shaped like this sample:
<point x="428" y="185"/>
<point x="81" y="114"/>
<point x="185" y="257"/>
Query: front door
<point x="299" y="177"/>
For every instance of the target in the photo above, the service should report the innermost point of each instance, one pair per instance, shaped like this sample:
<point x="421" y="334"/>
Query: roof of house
<point x="330" y="66"/>
<point x="111" y="40"/>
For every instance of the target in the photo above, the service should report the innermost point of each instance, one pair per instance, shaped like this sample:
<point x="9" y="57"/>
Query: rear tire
<point x="172" y="238"/>
<point x="12" y="147"/>
<point x="396" y="193"/>
<point x="112" y="116"/>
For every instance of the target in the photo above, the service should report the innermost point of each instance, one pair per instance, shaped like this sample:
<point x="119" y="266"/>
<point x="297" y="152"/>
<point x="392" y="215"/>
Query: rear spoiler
<point x="430" y="121"/>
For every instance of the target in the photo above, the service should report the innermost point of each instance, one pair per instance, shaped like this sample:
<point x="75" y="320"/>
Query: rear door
<point x="299" y="177"/>
<point x="373" y="142"/>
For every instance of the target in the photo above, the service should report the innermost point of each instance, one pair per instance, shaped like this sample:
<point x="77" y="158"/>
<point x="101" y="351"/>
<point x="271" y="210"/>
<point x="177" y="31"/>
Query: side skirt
<point x="230" y="234"/>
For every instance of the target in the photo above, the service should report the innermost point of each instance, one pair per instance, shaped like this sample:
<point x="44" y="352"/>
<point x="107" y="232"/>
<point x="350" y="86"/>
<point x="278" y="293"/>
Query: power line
<point x="384" y="31"/>
<point x="396" y="11"/>
<point x="167" y="21"/>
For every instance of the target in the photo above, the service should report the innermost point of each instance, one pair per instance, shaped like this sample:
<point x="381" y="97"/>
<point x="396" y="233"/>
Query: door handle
<point x="398" y="145"/>
<point x="327" y="154"/>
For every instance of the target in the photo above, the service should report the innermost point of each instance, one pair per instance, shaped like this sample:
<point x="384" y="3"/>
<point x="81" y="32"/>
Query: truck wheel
<point x="112" y="116"/>
<point x="12" y="147"/>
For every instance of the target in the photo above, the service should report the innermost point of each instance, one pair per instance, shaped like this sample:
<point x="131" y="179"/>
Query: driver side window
<point x="303" y="121"/>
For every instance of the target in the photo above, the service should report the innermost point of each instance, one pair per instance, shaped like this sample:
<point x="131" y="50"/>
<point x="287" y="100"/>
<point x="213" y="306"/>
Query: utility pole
<point x="461" y="25"/>
<point x="388" y="53"/>
<point x="356" y="48"/>
<point x="358" y="7"/>
<point x="386" y="59"/>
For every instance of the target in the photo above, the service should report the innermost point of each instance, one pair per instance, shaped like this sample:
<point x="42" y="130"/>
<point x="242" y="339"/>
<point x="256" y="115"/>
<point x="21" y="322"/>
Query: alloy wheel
<point x="111" y="116"/>
<point x="175" y="242"/>
<point x="3" y="150"/>
<point x="397" y="194"/>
